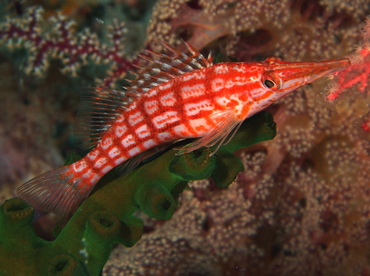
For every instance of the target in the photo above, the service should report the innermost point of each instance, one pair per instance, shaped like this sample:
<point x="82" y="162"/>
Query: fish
<point x="176" y="96"/>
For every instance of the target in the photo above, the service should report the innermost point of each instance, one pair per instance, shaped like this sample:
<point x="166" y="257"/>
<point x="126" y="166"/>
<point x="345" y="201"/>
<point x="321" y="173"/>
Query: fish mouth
<point x="320" y="69"/>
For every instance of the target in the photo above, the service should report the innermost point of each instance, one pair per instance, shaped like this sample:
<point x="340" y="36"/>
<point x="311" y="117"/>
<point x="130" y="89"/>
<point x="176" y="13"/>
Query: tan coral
<point x="301" y="205"/>
<point x="210" y="20"/>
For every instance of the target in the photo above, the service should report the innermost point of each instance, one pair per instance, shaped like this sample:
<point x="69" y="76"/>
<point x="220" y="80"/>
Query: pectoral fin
<point x="220" y="134"/>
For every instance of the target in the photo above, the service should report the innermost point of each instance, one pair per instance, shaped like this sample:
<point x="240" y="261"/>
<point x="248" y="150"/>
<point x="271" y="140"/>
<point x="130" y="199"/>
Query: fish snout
<point x="324" y="68"/>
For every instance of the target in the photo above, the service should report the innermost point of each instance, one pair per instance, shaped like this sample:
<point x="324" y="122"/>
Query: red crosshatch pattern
<point x="162" y="116"/>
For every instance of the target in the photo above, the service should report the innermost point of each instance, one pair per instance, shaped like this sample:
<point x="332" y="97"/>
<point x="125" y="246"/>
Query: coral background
<point x="301" y="205"/>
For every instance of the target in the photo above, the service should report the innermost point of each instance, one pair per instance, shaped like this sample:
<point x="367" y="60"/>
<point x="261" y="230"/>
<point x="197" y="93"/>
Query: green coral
<point x="105" y="218"/>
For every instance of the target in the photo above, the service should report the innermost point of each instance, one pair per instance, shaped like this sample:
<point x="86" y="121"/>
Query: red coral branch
<point x="357" y="75"/>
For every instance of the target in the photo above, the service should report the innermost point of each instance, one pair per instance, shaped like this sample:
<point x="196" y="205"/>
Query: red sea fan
<point x="357" y="75"/>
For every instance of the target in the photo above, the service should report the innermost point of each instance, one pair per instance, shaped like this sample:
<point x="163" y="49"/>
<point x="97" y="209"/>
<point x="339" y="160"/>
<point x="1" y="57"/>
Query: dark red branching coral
<point x="62" y="42"/>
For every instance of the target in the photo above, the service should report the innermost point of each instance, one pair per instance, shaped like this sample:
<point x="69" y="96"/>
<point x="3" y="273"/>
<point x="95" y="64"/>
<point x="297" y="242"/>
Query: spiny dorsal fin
<point x="99" y="110"/>
<point x="162" y="68"/>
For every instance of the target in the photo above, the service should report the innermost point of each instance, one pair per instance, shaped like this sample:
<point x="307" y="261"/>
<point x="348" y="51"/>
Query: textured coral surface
<point x="301" y="207"/>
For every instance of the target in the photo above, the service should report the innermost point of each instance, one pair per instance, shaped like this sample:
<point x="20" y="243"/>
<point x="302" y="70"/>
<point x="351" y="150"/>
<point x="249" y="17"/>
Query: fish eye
<point x="269" y="83"/>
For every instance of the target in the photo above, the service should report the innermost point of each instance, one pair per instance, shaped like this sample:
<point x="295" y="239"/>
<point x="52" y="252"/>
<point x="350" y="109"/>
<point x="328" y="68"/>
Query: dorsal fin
<point x="162" y="68"/>
<point x="101" y="107"/>
<point x="99" y="110"/>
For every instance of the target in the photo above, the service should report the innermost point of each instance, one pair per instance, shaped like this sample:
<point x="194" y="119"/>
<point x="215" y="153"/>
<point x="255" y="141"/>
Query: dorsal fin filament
<point x="162" y="67"/>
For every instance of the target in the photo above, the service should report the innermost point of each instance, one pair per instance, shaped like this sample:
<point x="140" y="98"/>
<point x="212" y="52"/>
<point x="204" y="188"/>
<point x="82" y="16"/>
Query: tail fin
<point x="55" y="191"/>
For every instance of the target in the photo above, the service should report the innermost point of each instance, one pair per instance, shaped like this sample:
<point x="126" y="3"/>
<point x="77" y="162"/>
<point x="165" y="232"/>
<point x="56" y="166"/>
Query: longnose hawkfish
<point x="177" y="96"/>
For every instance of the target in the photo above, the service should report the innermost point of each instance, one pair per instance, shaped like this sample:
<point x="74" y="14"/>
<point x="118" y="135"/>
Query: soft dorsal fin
<point x="99" y="110"/>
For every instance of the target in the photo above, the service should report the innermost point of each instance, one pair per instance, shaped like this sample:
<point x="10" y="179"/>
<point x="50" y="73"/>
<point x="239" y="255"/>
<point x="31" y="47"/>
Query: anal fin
<point x="135" y="161"/>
